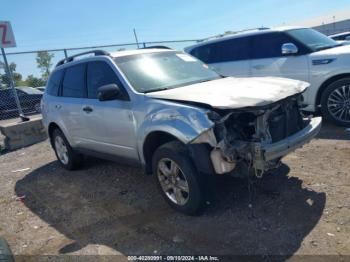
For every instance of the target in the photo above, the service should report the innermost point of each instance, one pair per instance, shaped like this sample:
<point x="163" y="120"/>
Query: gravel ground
<point x="105" y="208"/>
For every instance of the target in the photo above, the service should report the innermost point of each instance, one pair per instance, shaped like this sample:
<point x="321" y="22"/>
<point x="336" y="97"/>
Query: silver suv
<point x="166" y="111"/>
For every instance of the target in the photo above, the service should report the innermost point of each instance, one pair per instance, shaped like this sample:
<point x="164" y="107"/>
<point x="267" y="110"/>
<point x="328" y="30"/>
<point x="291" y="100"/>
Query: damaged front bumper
<point x="264" y="153"/>
<point x="257" y="156"/>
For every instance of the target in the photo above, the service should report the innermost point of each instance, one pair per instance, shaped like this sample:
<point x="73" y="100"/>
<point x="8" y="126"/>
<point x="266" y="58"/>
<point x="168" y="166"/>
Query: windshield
<point x="164" y="70"/>
<point x="313" y="39"/>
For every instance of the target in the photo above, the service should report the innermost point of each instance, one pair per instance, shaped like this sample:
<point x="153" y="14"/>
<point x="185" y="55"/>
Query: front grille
<point x="285" y="121"/>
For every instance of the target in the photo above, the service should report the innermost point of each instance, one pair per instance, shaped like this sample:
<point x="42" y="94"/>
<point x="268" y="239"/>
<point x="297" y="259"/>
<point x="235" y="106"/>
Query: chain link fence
<point x="30" y="71"/>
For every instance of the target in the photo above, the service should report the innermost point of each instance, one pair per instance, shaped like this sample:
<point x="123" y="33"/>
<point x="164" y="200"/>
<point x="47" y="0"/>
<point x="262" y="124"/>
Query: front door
<point x="108" y="125"/>
<point x="267" y="58"/>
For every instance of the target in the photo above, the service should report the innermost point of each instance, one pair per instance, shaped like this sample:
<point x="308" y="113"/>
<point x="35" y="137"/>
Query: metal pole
<point x="137" y="41"/>
<point x="65" y="53"/>
<point x="12" y="85"/>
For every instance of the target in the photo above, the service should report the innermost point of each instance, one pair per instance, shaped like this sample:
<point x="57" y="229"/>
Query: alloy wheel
<point x="338" y="103"/>
<point x="173" y="181"/>
<point x="61" y="150"/>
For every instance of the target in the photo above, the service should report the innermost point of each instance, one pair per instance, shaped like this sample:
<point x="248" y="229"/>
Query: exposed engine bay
<point x="240" y="136"/>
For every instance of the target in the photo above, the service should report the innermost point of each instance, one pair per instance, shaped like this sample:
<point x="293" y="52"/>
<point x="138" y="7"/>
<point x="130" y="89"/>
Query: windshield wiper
<point x="155" y="90"/>
<point x="209" y="79"/>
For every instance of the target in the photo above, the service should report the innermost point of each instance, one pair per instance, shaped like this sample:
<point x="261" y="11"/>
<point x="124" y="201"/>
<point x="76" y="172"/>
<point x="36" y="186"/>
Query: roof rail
<point x="233" y="33"/>
<point x="71" y="58"/>
<point x="157" y="46"/>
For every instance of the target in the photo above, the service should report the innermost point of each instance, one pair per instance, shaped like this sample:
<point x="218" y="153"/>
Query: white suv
<point x="297" y="53"/>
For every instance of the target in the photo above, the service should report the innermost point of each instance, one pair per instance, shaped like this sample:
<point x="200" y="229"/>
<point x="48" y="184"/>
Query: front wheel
<point x="179" y="183"/>
<point x="335" y="102"/>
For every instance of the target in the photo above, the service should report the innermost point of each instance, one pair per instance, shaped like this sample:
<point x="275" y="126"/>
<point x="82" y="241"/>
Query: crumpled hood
<point x="234" y="93"/>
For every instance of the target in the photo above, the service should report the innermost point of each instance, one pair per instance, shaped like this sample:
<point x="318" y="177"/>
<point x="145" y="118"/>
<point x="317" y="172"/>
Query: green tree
<point x="35" y="81"/>
<point x="229" y="32"/>
<point x="17" y="77"/>
<point x="43" y="59"/>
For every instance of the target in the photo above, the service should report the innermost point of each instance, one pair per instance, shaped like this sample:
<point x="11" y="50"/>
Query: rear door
<point x="68" y="104"/>
<point x="109" y="125"/>
<point x="267" y="58"/>
<point x="227" y="57"/>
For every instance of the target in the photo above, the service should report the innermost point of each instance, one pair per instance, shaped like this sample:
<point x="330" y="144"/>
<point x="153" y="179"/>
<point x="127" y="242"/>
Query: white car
<point x="345" y="36"/>
<point x="291" y="52"/>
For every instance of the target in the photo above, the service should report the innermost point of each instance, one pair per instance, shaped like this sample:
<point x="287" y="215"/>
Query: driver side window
<point x="268" y="45"/>
<point x="99" y="73"/>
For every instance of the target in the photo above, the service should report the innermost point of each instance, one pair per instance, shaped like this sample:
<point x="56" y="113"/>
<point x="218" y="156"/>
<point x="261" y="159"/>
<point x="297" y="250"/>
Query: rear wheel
<point x="179" y="183"/>
<point x="335" y="102"/>
<point x="5" y="251"/>
<point x="66" y="155"/>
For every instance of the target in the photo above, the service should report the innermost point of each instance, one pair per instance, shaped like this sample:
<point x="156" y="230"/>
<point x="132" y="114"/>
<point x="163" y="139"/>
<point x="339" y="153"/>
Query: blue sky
<point x="43" y="24"/>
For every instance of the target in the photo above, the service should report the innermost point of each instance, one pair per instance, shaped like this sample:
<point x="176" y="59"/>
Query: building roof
<point x="329" y="18"/>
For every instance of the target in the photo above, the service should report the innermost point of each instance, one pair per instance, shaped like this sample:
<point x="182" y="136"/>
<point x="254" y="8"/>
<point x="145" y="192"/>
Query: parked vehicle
<point x="167" y="112"/>
<point x="345" y="36"/>
<point x="41" y="88"/>
<point x="29" y="98"/>
<point x="341" y="38"/>
<point x="345" y="42"/>
<point x="292" y="52"/>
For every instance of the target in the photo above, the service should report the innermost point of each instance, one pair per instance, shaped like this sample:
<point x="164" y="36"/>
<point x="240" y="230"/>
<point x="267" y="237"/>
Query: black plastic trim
<point x="200" y="156"/>
<point x="71" y="58"/>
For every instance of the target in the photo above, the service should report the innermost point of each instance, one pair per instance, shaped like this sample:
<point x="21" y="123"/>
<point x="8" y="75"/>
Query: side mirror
<point x="108" y="92"/>
<point x="289" y="49"/>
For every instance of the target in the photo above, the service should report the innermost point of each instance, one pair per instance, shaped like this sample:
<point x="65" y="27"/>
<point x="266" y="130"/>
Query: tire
<point x="65" y="154"/>
<point x="188" y="199"/>
<point x="335" y="102"/>
<point x="5" y="252"/>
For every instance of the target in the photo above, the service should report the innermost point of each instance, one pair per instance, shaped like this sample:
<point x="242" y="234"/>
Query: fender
<point x="184" y="123"/>
<point x="62" y="128"/>
<point x="318" y="79"/>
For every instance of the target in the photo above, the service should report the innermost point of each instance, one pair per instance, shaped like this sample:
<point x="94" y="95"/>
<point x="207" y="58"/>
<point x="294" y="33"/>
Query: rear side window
<point x="74" y="82"/>
<point x="224" y="51"/>
<point x="268" y="45"/>
<point x="54" y="83"/>
<point x="99" y="73"/>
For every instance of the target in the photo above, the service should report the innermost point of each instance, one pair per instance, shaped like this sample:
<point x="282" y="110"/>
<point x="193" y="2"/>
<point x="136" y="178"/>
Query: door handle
<point x="58" y="106"/>
<point x="258" y="67"/>
<point x="87" y="109"/>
